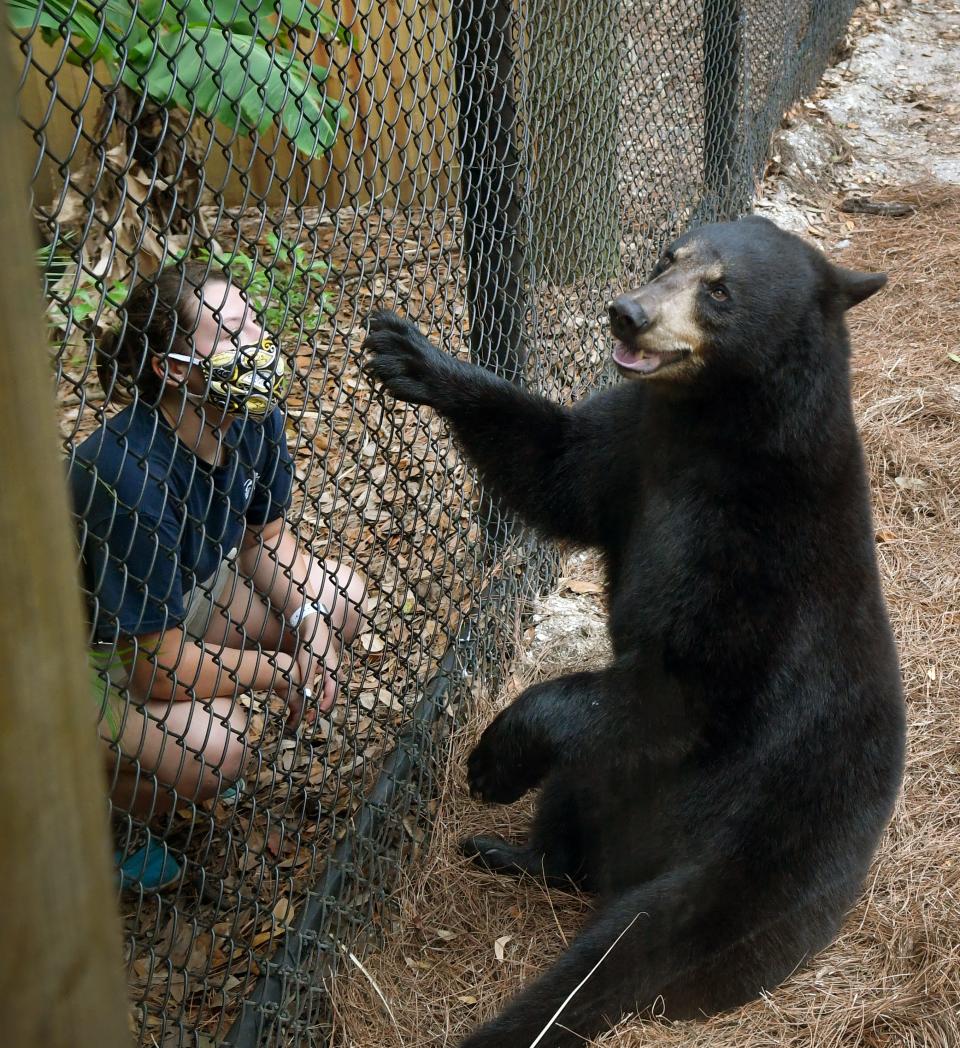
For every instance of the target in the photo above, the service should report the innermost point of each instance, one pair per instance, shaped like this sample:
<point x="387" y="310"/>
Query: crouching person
<point x="199" y="590"/>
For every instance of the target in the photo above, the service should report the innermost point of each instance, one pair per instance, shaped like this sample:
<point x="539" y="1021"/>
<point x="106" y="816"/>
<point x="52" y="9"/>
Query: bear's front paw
<point x="504" y="764"/>
<point x="408" y="366"/>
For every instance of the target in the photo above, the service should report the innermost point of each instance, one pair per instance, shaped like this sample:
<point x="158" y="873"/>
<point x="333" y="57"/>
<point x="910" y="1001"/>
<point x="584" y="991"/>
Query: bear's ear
<point x="853" y="286"/>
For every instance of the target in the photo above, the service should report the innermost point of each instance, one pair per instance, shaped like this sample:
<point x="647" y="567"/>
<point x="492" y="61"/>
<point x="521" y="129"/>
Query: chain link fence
<point x="242" y="182"/>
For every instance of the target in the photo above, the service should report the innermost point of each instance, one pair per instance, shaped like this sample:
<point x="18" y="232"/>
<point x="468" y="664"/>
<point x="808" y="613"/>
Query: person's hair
<point x="158" y="317"/>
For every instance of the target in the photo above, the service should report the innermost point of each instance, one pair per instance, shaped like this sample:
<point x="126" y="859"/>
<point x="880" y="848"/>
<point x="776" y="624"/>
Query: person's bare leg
<point x="167" y="753"/>
<point x="344" y="591"/>
<point x="242" y="619"/>
<point x="173" y="752"/>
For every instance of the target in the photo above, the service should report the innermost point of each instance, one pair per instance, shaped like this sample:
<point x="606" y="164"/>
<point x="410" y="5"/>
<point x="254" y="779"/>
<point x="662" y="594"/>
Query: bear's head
<point x="741" y="297"/>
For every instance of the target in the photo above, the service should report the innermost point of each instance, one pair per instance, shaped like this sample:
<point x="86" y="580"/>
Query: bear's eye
<point x="666" y="261"/>
<point x="719" y="293"/>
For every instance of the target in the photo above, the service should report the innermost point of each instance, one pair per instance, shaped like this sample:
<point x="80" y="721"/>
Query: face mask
<point x="251" y="378"/>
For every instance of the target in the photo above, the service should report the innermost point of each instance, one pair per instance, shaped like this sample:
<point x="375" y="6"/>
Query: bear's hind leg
<point x="554" y="852"/>
<point x="657" y="947"/>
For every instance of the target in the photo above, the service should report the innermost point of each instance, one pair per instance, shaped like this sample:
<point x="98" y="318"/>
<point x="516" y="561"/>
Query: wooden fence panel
<point x="396" y="145"/>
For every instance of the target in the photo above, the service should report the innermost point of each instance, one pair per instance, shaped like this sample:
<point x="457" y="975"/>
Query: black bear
<point x="722" y="785"/>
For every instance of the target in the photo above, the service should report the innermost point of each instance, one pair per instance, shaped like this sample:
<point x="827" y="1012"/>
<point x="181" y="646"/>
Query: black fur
<point x="728" y="776"/>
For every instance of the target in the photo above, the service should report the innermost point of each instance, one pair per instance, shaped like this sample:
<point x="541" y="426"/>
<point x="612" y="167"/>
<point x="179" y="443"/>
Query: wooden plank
<point x="61" y="972"/>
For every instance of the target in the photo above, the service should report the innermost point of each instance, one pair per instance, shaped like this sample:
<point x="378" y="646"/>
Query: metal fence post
<point x="494" y="244"/>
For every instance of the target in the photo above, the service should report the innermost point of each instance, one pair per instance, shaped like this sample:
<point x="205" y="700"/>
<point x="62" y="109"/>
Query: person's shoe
<point x="232" y="793"/>
<point x="151" y="867"/>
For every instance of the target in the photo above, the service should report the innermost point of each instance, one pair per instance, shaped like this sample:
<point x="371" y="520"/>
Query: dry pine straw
<point x="465" y="940"/>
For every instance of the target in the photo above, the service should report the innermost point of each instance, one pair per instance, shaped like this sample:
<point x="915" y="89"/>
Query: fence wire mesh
<point x="215" y="175"/>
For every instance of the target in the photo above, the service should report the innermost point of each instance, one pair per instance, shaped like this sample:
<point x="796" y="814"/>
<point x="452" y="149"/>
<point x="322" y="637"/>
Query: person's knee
<point x="222" y="759"/>
<point x="214" y="778"/>
<point x="234" y="757"/>
<point x="351" y="602"/>
<point x="202" y="751"/>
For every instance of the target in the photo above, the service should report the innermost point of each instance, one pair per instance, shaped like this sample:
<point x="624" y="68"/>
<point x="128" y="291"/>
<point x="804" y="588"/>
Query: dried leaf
<point x="176" y="986"/>
<point x="580" y="586"/>
<point x="498" y="946"/>
<point x="288" y="754"/>
<point x="369" y="700"/>
<point x="414" y="831"/>
<point x="283" y="911"/>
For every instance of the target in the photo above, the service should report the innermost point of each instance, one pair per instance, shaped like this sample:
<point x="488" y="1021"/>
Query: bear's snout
<point x="627" y="317"/>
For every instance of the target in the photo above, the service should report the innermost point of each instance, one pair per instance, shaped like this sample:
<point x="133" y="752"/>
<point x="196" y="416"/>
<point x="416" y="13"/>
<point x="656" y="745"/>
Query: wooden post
<point x="61" y="977"/>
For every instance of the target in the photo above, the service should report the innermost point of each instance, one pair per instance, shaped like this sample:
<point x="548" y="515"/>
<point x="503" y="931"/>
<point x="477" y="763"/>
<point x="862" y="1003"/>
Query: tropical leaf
<point x="108" y="696"/>
<point x="232" y="60"/>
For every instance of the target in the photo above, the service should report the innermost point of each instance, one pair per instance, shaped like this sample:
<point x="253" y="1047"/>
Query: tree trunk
<point x="573" y="71"/>
<point x="494" y="244"/>
<point x="61" y="979"/>
<point x="726" y="173"/>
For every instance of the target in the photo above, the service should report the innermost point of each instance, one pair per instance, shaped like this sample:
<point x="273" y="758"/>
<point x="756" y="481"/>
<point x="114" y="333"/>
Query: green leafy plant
<point x="238" y="61"/>
<point x="173" y="68"/>
<point x="91" y="298"/>
<point x="109" y="697"/>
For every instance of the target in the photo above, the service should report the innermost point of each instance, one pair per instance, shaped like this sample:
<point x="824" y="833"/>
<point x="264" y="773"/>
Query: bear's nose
<point x="627" y="316"/>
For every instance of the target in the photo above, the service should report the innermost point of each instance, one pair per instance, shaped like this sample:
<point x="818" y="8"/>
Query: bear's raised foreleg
<point x="539" y="458"/>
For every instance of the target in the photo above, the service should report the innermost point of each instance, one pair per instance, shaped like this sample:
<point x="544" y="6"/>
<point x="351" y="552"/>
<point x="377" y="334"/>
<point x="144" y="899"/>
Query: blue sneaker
<point x="232" y="793"/>
<point x="151" y="867"/>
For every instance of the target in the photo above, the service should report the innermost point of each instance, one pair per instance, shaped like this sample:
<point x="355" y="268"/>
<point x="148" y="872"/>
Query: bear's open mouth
<point x="646" y="361"/>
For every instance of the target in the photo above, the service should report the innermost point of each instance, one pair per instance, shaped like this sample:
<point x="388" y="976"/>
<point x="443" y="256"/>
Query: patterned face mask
<point x="250" y="378"/>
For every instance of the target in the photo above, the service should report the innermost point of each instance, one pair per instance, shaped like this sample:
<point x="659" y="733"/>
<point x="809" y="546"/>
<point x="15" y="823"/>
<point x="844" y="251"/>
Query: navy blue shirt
<point x="155" y="520"/>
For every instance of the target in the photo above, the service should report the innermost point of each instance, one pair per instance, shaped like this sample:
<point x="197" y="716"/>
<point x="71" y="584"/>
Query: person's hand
<point x="290" y="685"/>
<point x="317" y="645"/>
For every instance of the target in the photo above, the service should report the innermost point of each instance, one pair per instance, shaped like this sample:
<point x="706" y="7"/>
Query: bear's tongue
<point x="635" y="359"/>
